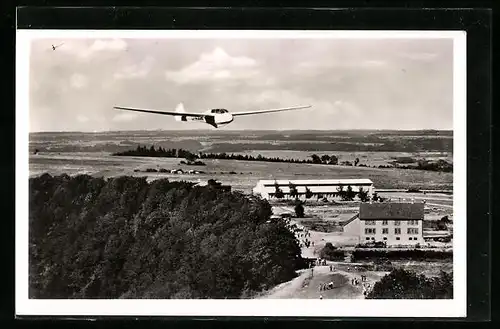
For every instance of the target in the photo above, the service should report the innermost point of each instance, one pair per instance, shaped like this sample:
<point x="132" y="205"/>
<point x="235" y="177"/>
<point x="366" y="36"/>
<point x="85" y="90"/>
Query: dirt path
<point x="306" y="286"/>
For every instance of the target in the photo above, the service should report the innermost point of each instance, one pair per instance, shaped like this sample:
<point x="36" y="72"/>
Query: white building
<point x="392" y="223"/>
<point x="319" y="187"/>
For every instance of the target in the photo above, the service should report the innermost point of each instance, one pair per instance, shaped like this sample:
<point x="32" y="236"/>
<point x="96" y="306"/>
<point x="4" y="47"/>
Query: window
<point x="367" y="238"/>
<point x="410" y="239"/>
<point x="397" y="231"/>
<point x="373" y="238"/>
<point x="384" y="222"/>
<point x="397" y="223"/>
<point x="385" y="238"/>
<point x="398" y="238"/>
<point x="369" y="222"/>
<point x="413" y="222"/>
<point x="369" y="231"/>
<point x="385" y="231"/>
<point x="412" y="230"/>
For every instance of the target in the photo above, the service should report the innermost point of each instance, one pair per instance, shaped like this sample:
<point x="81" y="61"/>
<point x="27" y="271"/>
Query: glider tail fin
<point x="180" y="109"/>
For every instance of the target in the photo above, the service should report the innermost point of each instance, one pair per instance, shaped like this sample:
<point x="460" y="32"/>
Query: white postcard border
<point x="455" y="307"/>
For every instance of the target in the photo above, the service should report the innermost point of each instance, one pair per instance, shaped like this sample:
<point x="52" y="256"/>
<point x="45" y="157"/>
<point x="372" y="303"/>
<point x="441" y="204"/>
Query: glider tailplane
<point x="180" y="109"/>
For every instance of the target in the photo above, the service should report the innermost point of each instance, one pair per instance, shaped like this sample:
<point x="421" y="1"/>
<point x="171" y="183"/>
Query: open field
<point x="77" y="152"/>
<point x="245" y="174"/>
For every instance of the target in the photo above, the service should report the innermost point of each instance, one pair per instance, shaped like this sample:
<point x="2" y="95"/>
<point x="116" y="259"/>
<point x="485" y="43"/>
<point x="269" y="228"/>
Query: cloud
<point x="140" y="70"/>
<point x="419" y="56"/>
<point x="325" y="113"/>
<point x="124" y="117"/>
<point x="78" y="81"/>
<point x="82" y="118"/>
<point x="112" y="45"/>
<point x="85" y="51"/>
<point x="314" y="66"/>
<point x="215" y="66"/>
<point x="372" y="63"/>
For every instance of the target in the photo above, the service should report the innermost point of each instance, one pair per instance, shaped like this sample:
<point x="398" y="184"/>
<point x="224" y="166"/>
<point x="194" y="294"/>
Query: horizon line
<point x="237" y="130"/>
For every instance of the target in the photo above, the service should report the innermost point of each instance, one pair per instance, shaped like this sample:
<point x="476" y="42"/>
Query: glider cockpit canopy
<point x="218" y="111"/>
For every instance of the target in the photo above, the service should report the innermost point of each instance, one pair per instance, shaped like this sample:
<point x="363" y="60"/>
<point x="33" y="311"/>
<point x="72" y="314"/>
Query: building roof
<point x="391" y="211"/>
<point x="315" y="181"/>
<point x="349" y="219"/>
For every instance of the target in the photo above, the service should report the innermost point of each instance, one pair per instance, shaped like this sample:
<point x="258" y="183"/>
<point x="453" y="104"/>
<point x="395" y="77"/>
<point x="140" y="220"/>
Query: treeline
<point x="143" y="151"/>
<point x="325" y="159"/>
<point x="347" y="194"/>
<point x="439" y="165"/>
<point x="127" y="238"/>
<point x="410" y="254"/>
<point x="329" y="252"/>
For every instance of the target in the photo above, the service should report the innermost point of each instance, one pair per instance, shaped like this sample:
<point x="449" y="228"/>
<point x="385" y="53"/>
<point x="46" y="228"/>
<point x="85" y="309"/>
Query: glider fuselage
<point x="214" y="117"/>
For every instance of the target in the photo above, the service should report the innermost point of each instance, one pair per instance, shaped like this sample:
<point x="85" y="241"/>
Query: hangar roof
<point x="391" y="211"/>
<point x="320" y="182"/>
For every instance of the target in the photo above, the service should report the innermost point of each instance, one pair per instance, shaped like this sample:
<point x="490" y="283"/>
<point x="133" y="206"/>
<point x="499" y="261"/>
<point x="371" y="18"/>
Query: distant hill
<point x="238" y="141"/>
<point x="120" y="146"/>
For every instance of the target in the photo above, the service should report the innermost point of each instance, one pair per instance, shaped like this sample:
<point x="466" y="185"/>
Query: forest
<point x="127" y="238"/>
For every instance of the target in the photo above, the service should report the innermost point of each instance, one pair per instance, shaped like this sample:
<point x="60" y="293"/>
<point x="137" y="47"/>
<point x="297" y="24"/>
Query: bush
<point x="363" y="195"/>
<point x="309" y="193"/>
<point x="329" y="252"/>
<point x="403" y="284"/>
<point x="127" y="238"/>
<point x="299" y="210"/>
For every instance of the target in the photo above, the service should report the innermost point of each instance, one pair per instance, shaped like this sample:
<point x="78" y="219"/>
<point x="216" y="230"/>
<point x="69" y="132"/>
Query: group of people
<point x="320" y="262"/>
<point x="366" y="286"/>
<point x="356" y="281"/>
<point x="326" y="286"/>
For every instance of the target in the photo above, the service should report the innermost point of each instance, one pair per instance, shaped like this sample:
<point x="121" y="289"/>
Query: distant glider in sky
<point x="214" y="117"/>
<point x="59" y="45"/>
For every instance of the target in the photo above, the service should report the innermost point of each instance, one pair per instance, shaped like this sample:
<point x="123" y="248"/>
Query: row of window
<point x="411" y="238"/>
<point x="410" y="230"/>
<point x="396" y="222"/>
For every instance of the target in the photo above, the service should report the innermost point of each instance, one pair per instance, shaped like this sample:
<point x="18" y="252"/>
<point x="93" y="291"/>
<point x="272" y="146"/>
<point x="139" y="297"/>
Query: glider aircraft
<point x="214" y="117"/>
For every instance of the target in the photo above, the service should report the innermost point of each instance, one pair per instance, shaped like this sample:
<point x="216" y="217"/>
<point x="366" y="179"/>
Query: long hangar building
<point x="326" y="188"/>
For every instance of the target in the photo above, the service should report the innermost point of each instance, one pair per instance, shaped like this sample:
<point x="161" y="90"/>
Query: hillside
<point x="127" y="238"/>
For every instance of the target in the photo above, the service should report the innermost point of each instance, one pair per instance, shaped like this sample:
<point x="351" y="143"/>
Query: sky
<point x="350" y="83"/>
